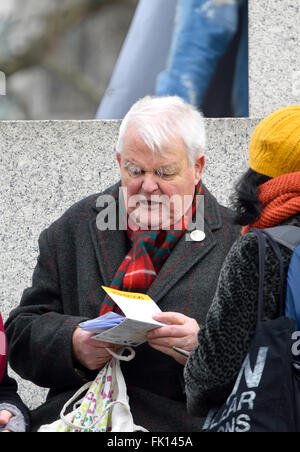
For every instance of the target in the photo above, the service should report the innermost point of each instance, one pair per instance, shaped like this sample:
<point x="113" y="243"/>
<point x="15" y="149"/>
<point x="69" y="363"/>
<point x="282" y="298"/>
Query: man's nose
<point x="149" y="184"/>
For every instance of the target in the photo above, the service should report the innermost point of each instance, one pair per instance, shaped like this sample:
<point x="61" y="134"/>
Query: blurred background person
<point x="208" y="61"/>
<point x="58" y="56"/>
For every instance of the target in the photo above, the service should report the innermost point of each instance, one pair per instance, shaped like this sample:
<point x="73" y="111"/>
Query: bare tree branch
<point x="56" y="25"/>
<point x="21" y="103"/>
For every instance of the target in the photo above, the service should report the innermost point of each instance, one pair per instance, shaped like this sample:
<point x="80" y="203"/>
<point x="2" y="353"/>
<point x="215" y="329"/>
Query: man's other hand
<point x="89" y="352"/>
<point x="181" y="332"/>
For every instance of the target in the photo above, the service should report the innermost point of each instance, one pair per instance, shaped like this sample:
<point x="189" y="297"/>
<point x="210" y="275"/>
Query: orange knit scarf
<point x="280" y="198"/>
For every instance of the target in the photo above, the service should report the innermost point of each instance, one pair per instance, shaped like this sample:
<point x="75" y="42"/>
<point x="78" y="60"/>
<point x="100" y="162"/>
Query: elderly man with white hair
<point x="155" y="246"/>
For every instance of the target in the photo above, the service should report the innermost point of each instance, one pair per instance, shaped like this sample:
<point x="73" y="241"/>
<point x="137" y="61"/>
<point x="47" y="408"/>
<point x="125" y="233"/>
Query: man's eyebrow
<point x="169" y="167"/>
<point x="129" y="162"/>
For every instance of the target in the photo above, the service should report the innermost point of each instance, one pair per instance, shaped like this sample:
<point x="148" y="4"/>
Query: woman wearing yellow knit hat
<point x="274" y="152"/>
<point x="267" y="195"/>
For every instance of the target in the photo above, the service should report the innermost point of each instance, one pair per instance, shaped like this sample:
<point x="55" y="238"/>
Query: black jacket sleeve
<point x="9" y="395"/>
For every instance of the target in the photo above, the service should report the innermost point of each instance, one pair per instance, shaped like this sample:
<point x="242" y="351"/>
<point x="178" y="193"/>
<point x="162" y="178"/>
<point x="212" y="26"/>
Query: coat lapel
<point x="188" y="253"/>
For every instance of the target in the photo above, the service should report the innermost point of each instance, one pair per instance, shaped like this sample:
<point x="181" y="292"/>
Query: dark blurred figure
<point x="143" y="55"/>
<point x="208" y="60"/>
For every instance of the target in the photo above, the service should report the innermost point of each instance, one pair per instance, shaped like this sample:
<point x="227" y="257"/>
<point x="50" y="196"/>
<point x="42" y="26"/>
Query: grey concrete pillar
<point x="274" y="55"/>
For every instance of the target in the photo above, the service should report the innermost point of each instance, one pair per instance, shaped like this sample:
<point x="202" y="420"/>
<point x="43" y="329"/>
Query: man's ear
<point x="119" y="158"/>
<point x="199" y="166"/>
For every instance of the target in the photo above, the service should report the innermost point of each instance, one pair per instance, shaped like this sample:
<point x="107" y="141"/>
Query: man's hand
<point x="182" y="332"/>
<point x="5" y="416"/>
<point x="90" y="352"/>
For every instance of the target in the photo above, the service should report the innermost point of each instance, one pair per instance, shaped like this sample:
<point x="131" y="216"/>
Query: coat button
<point x="197" y="235"/>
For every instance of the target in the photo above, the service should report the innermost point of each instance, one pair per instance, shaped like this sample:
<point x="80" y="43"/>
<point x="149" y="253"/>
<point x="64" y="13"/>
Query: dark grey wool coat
<point x="213" y="366"/>
<point x="75" y="260"/>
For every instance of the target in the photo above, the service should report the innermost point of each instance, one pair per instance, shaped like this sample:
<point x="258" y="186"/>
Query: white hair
<point x="156" y="119"/>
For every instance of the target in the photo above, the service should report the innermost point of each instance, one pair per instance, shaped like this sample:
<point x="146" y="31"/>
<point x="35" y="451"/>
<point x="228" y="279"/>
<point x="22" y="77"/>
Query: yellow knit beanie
<point x="275" y="144"/>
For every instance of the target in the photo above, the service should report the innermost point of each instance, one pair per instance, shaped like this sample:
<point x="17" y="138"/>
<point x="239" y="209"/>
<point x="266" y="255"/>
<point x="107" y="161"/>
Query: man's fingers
<point x="167" y="331"/>
<point x="87" y="338"/>
<point x="175" y="318"/>
<point x="100" y="344"/>
<point x="169" y="342"/>
<point x="5" y="416"/>
<point x="178" y="325"/>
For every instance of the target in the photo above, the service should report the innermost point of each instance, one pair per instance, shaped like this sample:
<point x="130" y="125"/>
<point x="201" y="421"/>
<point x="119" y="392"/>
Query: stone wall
<point x="46" y="166"/>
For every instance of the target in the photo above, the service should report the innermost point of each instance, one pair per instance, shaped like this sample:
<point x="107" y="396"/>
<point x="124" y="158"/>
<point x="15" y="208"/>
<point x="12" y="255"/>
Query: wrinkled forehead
<point x="171" y="151"/>
<point x="153" y="140"/>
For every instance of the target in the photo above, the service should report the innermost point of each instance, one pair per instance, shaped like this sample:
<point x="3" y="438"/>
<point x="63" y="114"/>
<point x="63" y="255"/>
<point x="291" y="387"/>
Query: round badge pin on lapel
<point x="197" y="235"/>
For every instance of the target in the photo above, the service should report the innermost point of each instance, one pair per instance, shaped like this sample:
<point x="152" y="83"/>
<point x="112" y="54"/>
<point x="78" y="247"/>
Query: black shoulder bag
<point x="266" y="394"/>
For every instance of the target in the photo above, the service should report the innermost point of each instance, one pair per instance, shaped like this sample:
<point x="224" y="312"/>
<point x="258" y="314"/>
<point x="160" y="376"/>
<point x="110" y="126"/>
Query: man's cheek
<point x="129" y="190"/>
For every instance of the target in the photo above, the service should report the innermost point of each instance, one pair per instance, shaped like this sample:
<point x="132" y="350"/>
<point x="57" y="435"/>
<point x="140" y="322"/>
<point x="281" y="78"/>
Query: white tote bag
<point x="105" y="406"/>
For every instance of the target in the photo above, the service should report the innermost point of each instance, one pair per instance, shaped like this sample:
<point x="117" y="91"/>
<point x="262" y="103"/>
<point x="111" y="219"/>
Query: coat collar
<point x="111" y="246"/>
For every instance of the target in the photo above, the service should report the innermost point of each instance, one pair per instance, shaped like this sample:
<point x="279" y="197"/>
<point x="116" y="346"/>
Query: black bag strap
<point x="262" y="235"/>
<point x="261" y="261"/>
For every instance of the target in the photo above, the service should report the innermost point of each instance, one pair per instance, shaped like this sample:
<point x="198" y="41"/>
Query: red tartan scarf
<point x="280" y="198"/>
<point x="149" y="250"/>
<point x="3" y="350"/>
